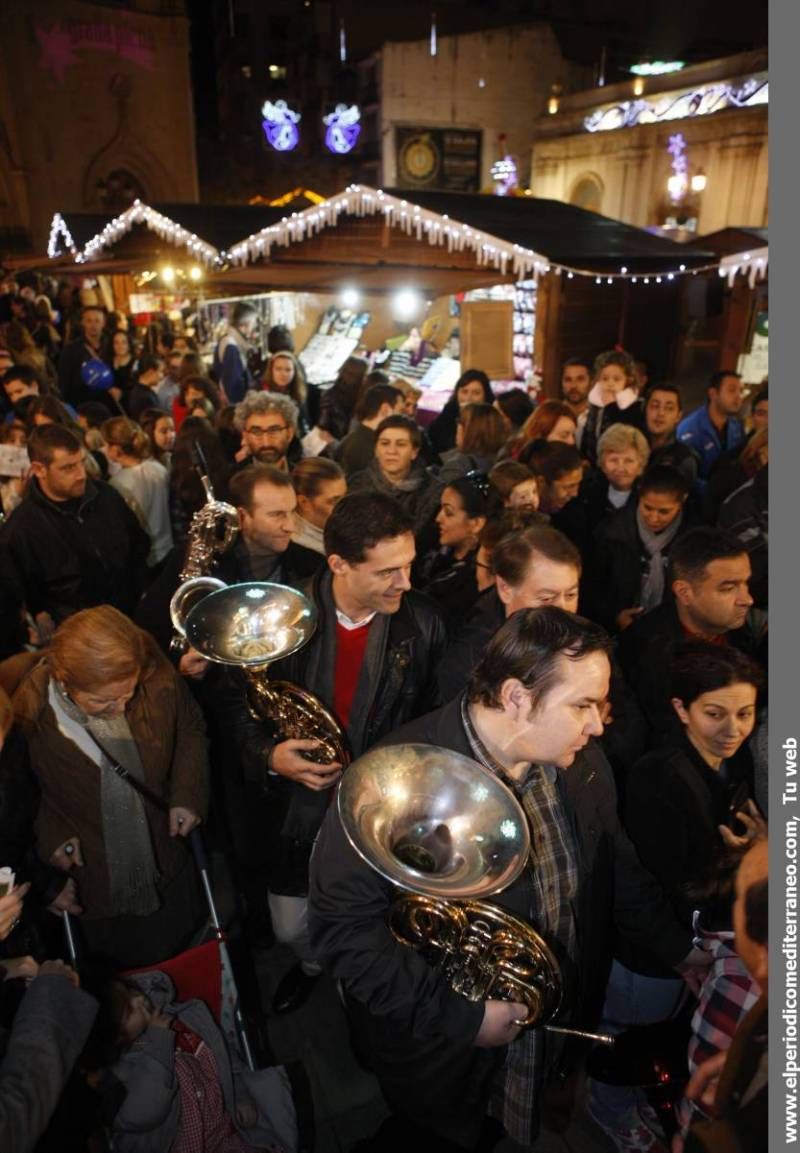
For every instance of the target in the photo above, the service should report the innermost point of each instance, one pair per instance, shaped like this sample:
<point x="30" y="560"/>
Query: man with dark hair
<point x="72" y="543"/>
<point x="265" y="501"/>
<point x="230" y="356"/>
<point x="396" y="470"/>
<point x="576" y="382"/>
<point x="558" y="469"/>
<point x="626" y="574"/>
<point x="144" y="392"/>
<point x="534" y="568"/>
<point x="371" y="661"/>
<point x="357" y="449"/>
<point x="710" y="600"/>
<point x="83" y="373"/>
<point x="663" y="409"/>
<point x="714" y="427"/>
<point x="533" y="705"/>
<point x="19" y="381"/>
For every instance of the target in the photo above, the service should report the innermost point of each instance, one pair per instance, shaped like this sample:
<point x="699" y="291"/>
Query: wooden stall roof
<point x="371" y="247"/>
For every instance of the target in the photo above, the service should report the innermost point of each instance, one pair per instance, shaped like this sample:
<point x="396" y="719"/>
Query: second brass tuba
<point x="251" y="625"/>
<point x="447" y="832"/>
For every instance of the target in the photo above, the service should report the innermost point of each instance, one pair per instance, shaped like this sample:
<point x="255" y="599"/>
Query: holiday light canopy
<point x="437" y="229"/>
<point x="116" y="228"/>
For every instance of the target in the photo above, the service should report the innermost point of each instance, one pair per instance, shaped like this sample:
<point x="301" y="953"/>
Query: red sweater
<point x="351" y="644"/>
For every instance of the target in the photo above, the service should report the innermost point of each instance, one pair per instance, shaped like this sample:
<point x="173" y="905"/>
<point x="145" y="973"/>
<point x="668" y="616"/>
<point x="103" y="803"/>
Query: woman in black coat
<point x="626" y="570"/>
<point x="450" y="577"/>
<point x="686" y="804"/>
<point x="689" y="799"/>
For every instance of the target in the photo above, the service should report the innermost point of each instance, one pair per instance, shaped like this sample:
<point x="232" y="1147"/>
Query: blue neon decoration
<point x="280" y="125"/>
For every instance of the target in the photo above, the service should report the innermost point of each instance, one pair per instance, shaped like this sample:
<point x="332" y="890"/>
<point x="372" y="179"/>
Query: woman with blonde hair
<point x="104" y="712"/>
<point x="142" y="481"/>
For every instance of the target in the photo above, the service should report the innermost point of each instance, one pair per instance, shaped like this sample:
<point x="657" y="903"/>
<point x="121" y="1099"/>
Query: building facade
<point x="687" y="152"/>
<point x="441" y="122"/>
<point x="95" y="110"/>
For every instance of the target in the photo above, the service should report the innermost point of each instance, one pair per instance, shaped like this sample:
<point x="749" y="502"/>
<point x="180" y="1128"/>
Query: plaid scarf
<point x="554" y="872"/>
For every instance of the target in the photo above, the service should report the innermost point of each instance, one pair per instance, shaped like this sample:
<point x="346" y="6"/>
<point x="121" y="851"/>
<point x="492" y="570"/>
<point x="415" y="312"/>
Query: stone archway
<point x="587" y="192"/>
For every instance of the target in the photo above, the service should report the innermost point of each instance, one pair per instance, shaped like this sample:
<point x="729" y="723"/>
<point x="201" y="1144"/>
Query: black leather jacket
<point x="400" y="686"/>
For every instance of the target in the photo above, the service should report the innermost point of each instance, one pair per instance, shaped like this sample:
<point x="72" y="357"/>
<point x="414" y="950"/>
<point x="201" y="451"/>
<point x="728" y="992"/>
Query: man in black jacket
<point x="372" y="662"/>
<point x="263" y="550"/>
<point x="532" y="706"/>
<point x="83" y="372"/>
<point x="536" y="567"/>
<point x="709" y="599"/>
<point x="71" y="544"/>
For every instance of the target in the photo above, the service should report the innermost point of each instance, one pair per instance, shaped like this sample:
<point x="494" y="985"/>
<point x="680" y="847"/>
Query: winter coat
<point x="60" y="559"/>
<point x="38" y="1053"/>
<point x="415" y="1032"/>
<point x="170" y="735"/>
<point x="397" y="683"/>
<point x="673" y="804"/>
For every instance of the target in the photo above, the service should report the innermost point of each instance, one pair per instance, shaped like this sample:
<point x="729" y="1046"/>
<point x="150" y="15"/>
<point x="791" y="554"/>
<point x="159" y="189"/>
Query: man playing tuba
<point x="530" y="715"/>
<point x="372" y="663"/>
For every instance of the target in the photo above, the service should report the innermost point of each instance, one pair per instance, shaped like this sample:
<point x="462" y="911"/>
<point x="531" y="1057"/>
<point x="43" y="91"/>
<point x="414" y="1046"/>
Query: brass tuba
<point x="446" y="831"/>
<point x="251" y="625"/>
<point x="212" y="531"/>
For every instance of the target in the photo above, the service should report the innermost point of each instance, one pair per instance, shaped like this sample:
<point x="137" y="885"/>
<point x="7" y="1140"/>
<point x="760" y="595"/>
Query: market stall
<point x="515" y="283"/>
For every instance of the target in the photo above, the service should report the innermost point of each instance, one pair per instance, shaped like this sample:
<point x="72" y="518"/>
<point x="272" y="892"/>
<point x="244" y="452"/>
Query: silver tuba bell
<point x="252" y="625"/>
<point x="445" y="830"/>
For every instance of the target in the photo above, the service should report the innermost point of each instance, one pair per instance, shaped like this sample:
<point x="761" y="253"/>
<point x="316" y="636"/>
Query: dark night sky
<point x="631" y="30"/>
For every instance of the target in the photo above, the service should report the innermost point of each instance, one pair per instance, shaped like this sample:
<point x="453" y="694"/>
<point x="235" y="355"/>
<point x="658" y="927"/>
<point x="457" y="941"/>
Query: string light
<point x="362" y="201"/>
<point x="138" y="213"/>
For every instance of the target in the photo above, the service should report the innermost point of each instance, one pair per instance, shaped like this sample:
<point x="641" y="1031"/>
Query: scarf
<point x="655" y="544"/>
<point x="554" y="870"/>
<point x="308" y="535"/>
<point x="132" y="872"/>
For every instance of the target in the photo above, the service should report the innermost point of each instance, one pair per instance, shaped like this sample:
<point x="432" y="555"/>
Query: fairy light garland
<point x="138" y="213"/>
<point x="58" y="227"/>
<point x="361" y="201"/>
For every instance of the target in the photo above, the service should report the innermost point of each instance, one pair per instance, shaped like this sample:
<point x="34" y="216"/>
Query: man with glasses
<point x="267" y="422"/>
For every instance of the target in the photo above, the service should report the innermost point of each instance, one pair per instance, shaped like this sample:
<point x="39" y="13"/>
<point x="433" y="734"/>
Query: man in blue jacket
<point x="714" y="428"/>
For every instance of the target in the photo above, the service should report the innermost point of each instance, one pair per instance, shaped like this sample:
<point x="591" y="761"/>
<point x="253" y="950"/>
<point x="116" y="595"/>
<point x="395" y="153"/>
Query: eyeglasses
<point x="273" y="430"/>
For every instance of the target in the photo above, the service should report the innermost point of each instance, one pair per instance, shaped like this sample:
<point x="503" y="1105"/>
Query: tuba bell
<point x="251" y="625"/>
<point x="447" y="833"/>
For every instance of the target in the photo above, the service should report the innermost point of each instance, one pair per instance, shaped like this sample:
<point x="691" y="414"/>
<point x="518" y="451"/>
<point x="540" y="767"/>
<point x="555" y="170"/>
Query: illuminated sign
<point x="680" y="105"/>
<point x="656" y="68"/>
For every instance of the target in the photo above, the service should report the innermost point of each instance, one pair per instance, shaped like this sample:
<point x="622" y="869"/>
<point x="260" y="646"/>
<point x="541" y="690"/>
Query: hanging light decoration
<point x="434" y="46"/>
<point x="342" y="42"/>
<point x="280" y="125"/>
<point x="343" y="127"/>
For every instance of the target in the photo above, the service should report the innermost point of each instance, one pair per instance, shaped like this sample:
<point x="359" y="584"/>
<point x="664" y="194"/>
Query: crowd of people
<point x="571" y="593"/>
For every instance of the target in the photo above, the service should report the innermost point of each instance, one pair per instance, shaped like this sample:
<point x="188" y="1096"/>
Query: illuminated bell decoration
<point x="343" y="127"/>
<point x="280" y="125"/>
<point x="505" y="176"/>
